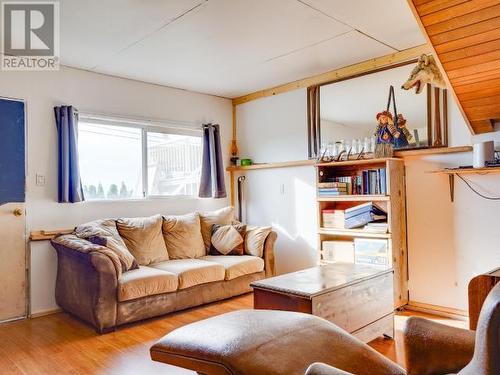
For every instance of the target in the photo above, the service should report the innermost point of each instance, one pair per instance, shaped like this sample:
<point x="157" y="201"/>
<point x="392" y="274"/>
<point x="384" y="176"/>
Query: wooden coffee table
<point x="357" y="298"/>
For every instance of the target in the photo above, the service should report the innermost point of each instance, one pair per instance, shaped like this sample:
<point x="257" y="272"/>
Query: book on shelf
<point x="363" y="182"/>
<point x="333" y="218"/>
<point x="360" y="215"/>
<point x="377" y="227"/>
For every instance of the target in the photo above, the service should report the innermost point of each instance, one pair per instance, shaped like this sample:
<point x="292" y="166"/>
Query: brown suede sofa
<point x="116" y="271"/>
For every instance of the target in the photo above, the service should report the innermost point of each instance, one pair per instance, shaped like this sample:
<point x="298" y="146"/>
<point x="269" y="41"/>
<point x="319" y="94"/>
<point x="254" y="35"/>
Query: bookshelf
<point x="393" y="202"/>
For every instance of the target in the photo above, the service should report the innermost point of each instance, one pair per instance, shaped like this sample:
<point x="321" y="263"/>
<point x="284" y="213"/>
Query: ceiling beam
<point x="338" y="74"/>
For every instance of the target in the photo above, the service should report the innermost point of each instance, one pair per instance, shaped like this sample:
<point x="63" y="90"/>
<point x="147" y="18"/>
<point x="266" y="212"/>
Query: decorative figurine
<point x="405" y="136"/>
<point x="385" y="133"/>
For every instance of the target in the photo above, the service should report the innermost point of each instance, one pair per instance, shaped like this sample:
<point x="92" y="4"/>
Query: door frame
<point x="27" y="253"/>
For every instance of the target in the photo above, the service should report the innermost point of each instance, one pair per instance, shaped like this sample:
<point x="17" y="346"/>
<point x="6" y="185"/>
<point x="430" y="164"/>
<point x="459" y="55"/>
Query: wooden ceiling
<point x="465" y="35"/>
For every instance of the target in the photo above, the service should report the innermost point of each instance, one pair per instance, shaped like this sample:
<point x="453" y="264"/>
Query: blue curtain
<point x="69" y="185"/>
<point x="212" y="183"/>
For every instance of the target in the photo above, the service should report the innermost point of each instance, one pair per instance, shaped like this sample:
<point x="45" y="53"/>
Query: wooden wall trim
<point x="342" y="73"/>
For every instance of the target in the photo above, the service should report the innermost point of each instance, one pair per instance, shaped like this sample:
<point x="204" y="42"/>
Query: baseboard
<point x="45" y="313"/>
<point x="447" y="312"/>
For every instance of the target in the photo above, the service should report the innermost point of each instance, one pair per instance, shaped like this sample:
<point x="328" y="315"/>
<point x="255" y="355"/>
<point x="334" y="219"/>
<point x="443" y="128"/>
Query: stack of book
<point x="361" y="215"/>
<point x="333" y="188"/>
<point x="377" y="227"/>
<point x="333" y="218"/>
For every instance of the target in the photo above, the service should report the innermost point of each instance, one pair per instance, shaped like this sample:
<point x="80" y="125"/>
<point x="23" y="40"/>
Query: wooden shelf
<point x="432" y="151"/>
<point x="352" y="233"/>
<point x="285" y="164"/>
<point x="359" y="162"/>
<point x="451" y="172"/>
<point x="355" y="198"/>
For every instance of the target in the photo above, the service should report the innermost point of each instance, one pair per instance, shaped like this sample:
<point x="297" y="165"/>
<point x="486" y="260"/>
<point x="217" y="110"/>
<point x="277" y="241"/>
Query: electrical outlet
<point x="40" y="180"/>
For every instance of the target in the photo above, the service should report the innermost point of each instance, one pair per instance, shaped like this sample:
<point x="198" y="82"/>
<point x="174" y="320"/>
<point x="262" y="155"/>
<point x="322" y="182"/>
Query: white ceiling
<point x="230" y="47"/>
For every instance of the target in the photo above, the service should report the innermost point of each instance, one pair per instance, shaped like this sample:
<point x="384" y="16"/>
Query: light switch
<point x="40" y="180"/>
<point x="282" y="189"/>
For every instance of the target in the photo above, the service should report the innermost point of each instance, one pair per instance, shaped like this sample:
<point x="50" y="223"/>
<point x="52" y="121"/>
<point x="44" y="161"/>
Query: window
<point x="131" y="160"/>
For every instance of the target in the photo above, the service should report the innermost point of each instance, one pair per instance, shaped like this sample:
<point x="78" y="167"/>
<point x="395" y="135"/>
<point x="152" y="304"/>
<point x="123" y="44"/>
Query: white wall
<point x="100" y="94"/>
<point x="448" y="243"/>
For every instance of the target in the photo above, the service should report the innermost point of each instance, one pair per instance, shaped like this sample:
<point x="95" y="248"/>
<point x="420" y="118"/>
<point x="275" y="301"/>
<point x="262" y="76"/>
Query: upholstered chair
<point x="433" y="348"/>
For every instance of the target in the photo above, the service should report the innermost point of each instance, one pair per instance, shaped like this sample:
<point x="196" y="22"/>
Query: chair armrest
<point x="87" y="280"/>
<point x="322" y="369"/>
<point x="269" y="263"/>
<point x="433" y="348"/>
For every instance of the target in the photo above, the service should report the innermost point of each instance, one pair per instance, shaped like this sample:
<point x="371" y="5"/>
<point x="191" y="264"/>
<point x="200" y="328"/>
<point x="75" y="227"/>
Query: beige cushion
<point x="182" y="235"/>
<point x="237" y="265"/>
<point x="144" y="238"/>
<point x="103" y="232"/>
<point x="255" y="239"/>
<point x="145" y="281"/>
<point x="193" y="271"/>
<point x="228" y="239"/>
<point x="224" y="216"/>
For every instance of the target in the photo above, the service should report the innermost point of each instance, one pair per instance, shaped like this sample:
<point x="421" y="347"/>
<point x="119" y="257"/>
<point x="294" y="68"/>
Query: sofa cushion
<point x="145" y="281"/>
<point x="182" y="235"/>
<point x="103" y="232"/>
<point x="224" y="216"/>
<point x="237" y="265"/>
<point x="228" y="239"/>
<point x="192" y="271"/>
<point x="144" y="238"/>
<point x="255" y="239"/>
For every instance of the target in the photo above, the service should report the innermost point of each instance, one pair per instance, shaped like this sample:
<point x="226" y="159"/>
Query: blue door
<point x="12" y="211"/>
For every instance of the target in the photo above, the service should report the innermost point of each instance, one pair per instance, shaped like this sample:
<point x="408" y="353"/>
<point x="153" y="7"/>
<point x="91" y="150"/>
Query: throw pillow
<point x="228" y="240"/>
<point x="144" y="239"/>
<point x="103" y="232"/>
<point x="182" y="235"/>
<point x="255" y="240"/>
<point x="224" y="216"/>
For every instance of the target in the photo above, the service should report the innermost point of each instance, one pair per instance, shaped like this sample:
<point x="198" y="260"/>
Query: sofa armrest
<point x="322" y="369"/>
<point x="269" y="263"/>
<point x="433" y="348"/>
<point x="87" y="280"/>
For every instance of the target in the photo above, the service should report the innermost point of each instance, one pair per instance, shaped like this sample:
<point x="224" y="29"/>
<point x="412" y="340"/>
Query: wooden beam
<point x="338" y="74"/>
<point x="45" y="235"/>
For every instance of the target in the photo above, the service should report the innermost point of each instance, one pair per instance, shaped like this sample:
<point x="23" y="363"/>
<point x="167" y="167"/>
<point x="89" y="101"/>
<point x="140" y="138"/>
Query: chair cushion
<point x="182" y="235"/>
<point x="145" y="281"/>
<point x="237" y="265"/>
<point x="224" y="216"/>
<point x="144" y="238"/>
<point x="103" y="232"/>
<point x="192" y="271"/>
<point x="228" y="239"/>
<point x="255" y="239"/>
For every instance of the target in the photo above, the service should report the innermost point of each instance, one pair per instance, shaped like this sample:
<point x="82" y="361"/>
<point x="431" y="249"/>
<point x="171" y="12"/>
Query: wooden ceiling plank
<point x="477" y="86"/>
<point x="472" y="60"/>
<point x="437" y="5"/>
<point x="489" y="100"/>
<point x="483" y="126"/>
<point x="472" y="51"/>
<point x="484" y="112"/>
<point x="471" y="40"/>
<point x="465" y="20"/>
<point x="494" y="91"/>
<point x="485" y="67"/>
<point x="463" y="32"/>
<point x="456" y="11"/>
<point x="474" y="78"/>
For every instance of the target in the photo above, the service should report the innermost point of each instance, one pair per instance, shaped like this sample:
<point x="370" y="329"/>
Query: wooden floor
<point x="60" y="344"/>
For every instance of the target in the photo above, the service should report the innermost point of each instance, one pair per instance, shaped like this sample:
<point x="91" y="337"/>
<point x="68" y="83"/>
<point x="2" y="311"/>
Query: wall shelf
<point x="452" y="172"/>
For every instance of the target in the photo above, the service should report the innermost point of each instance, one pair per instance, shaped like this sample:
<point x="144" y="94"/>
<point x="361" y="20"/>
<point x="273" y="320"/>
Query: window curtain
<point x="313" y="121"/>
<point x="69" y="183"/>
<point x="212" y="183"/>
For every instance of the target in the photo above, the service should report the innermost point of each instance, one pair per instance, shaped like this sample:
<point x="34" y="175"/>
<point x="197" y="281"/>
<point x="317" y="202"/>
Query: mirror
<point x="348" y="111"/>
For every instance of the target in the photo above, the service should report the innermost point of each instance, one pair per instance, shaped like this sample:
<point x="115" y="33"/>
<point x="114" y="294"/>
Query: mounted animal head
<point x="425" y="72"/>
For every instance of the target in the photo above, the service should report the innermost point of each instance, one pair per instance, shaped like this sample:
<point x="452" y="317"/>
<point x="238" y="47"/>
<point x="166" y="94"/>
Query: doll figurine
<point x="386" y="132"/>
<point x="405" y="137"/>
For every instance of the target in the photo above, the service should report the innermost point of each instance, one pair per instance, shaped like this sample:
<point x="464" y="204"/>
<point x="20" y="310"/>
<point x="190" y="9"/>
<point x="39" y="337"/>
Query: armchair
<point x="432" y="348"/>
